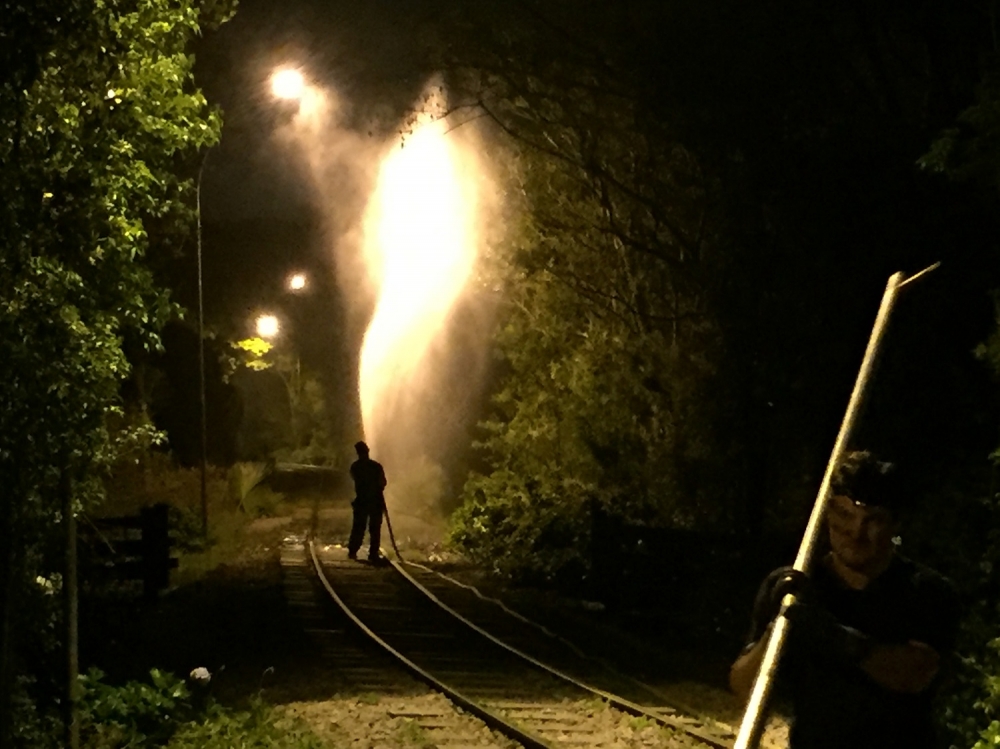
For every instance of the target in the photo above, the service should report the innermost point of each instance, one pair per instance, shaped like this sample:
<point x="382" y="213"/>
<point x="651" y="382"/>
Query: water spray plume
<point x="403" y="268"/>
<point x="420" y="246"/>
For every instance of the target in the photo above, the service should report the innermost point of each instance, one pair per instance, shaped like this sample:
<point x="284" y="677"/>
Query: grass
<point x="411" y="733"/>
<point x="225" y="533"/>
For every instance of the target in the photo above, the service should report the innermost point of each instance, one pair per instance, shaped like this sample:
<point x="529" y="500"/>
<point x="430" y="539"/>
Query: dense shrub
<point x="164" y="712"/>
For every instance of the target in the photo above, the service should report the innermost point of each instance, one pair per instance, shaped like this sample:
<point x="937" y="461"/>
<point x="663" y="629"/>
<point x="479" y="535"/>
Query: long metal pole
<point x="755" y="714"/>
<point x="201" y="362"/>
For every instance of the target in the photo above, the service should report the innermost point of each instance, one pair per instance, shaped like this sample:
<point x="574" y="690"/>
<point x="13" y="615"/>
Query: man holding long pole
<point x="822" y="633"/>
<point x="869" y="628"/>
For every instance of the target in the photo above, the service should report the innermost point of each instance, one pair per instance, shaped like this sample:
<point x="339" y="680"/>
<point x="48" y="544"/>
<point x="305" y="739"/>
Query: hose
<point x="392" y="536"/>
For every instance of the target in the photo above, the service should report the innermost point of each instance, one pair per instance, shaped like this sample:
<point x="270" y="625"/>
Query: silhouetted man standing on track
<point x="368" y="504"/>
<point x="869" y="630"/>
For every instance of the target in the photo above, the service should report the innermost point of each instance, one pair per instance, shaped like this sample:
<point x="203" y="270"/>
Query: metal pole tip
<point x="924" y="272"/>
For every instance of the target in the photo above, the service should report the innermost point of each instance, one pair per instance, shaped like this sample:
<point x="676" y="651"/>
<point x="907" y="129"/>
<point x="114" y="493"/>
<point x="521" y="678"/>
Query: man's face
<point x="860" y="535"/>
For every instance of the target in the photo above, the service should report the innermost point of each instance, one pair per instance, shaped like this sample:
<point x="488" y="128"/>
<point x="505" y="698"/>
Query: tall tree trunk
<point x="10" y="562"/>
<point x="71" y="721"/>
<point x="7" y="566"/>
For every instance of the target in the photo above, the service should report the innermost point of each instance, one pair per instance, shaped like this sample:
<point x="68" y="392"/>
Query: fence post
<point x="156" y="561"/>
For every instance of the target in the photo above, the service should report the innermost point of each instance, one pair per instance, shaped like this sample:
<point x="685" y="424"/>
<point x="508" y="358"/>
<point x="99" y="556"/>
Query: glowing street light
<point x="267" y="326"/>
<point x="288" y="83"/>
<point x="297" y="282"/>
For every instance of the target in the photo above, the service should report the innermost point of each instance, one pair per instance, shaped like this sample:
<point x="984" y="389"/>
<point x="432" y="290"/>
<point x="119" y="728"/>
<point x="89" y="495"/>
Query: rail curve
<point x="479" y="671"/>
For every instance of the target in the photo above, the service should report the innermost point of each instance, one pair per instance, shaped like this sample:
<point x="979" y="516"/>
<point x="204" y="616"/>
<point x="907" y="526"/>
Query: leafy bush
<point x="262" y="502"/>
<point x="164" y="713"/>
<point x="244" y="477"/>
<point x="185" y="529"/>
<point x="521" y="528"/>
<point x="971" y="713"/>
<point x="134" y="714"/>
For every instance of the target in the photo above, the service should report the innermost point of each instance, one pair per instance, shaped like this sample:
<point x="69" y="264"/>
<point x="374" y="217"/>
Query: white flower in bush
<point x="200" y="675"/>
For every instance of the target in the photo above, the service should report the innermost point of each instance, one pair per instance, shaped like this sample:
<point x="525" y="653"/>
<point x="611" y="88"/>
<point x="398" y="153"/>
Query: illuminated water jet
<point x="420" y="246"/>
<point x="404" y="223"/>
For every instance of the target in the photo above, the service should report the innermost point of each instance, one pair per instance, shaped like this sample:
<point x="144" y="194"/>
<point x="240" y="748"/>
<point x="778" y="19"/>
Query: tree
<point x="295" y="426"/>
<point x="99" y="116"/>
<point x="968" y="153"/>
<point x="606" y="335"/>
<point x="721" y="190"/>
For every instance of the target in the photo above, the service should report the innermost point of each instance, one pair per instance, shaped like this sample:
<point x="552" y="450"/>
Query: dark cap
<point x="867" y="480"/>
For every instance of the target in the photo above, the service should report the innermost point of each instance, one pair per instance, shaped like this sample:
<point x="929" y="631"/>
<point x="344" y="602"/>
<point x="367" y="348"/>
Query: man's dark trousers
<point x="366" y="512"/>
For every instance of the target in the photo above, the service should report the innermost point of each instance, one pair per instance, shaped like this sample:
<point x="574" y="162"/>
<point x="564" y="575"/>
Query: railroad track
<point x="525" y="685"/>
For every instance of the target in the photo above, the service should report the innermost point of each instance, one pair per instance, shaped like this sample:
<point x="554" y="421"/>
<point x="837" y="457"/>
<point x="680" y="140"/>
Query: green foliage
<point x="250" y="353"/>
<point x="606" y="352"/>
<point x="134" y="714"/>
<point x="611" y="328"/>
<point x="291" y="423"/>
<point x="262" y="502"/>
<point x="99" y="121"/>
<point x="410" y="733"/>
<point x="243" y="477"/>
<point x="162" y="713"/>
<point x="971" y="149"/>
<point x="970" y="152"/>
<point x="185" y="529"/>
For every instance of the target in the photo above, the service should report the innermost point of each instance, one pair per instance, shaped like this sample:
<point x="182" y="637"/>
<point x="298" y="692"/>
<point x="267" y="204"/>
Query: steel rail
<point x="494" y="721"/>
<point x="612" y="699"/>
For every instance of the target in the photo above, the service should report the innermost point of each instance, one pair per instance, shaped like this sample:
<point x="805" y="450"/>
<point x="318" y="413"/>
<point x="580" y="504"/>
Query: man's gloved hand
<point x="775" y="587"/>
<point x="781" y="582"/>
<point x="815" y="629"/>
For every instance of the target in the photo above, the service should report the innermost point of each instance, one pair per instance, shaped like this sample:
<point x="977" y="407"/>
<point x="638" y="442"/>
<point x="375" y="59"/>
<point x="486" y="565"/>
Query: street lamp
<point x="267" y="326"/>
<point x="288" y="83"/>
<point x="297" y="282"/>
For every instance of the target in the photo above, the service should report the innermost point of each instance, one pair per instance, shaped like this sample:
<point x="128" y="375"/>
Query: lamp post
<point x="201" y="358"/>
<point x="297" y="284"/>
<point x="268" y="327"/>
<point x="286" y="83"/>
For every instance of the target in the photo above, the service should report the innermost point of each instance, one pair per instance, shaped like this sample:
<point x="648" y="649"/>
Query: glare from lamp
<point x="288" y="83"/>
<point x="267" y="326"/>
<point x="297" y="281"/>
